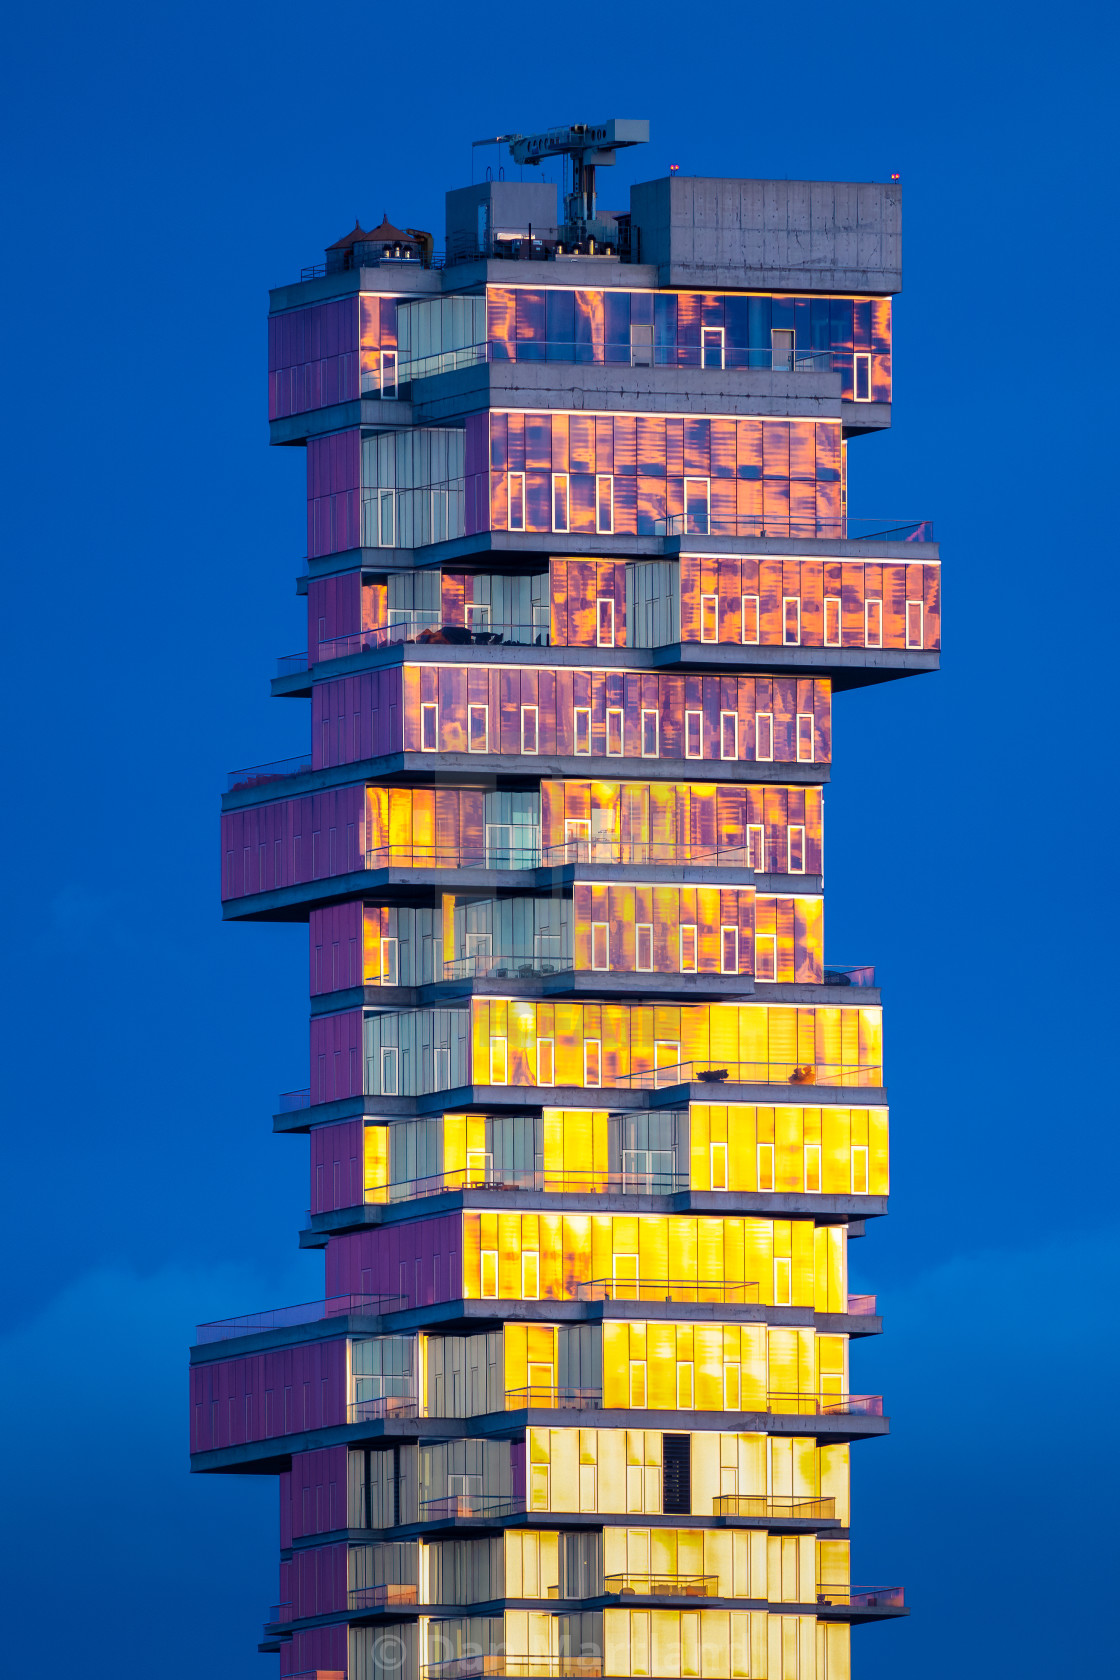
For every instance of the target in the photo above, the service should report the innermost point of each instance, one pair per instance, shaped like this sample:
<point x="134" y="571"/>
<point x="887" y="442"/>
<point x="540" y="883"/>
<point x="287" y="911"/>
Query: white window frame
<point x="728" y="934"/>
<point x="643" y="929"/>
<point x="862" y="1154"/>
<point x="806" y="729"/>
<point x="712" y="602"/>
<point x="693" y="719"/>
<point x="386" y="522"/>
<point x="717" y="1165"/>
<point x="837" y="640"/>
<point x="388" y="366"/>
<point x="921" y="611"/>
<point x="596" y="1084"/>
<point x="686" y="1385"/>
<point x="579" y="712"/>
<point x="751" y="609"/>
<point x="760" y="830"/>
<point x="812" y="1153"/>
<point x="789" y="601"/>
<point x="616" y="714"/>
<point x="638" y="1391"/>
<point x="530" y="736"/>
<point x="783" y="1280"/>
<point x="649" y="712"/>
<point x="698" y="531"/>
<point x="390" y="1071"/>
<point x="488" y="1262"/>
<point x="764" y="1153"/>
<point x="769" y="941"/>
<point x="499" y="1059"/>
<point x="718" y="334"/>
<point x="561" y="483"/>
<point x="520" y="478"/>
<point x="872" y="601"/>
<point x="546" y="1053"/>
<point x="767" y="719"/>
<point x="431" y="709"/>
<point x="390" y="964"/>
<point x="663" y="1067"/>
<point x="602" y="640"/>
<point x="608" y="528"/>
<point x="791" y="867"/>
<point x="683" y="929"/>
<point x="482" y="706"/>
<point x="858" y="357"/>
<point x="601" y="930"/>
<point x="729" y="721"/>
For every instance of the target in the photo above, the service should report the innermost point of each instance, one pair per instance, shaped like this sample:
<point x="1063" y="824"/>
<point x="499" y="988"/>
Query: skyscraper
<point x="592" y="1120"/>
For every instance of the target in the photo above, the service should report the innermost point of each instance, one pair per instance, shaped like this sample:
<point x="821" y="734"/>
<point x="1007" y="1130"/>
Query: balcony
<point x="861" y="1598"/>
<point x="291" y="664"/>
<point x="290" y="1102"/>
<point x="860" y="1306"/>
<point x="752" y="1073"/>
<point x="514" y="1668"/>
<point x="424" y="629"/>
<point x="485" y="1506"/>
<point x="787" y="1507"/>
<point x="554" y="1399"/>
<point x="259" y="774"/>
<point x="385" y="1597"/>
<point x="385" y="1405"/>
<point x="652" y="1183"/>
<point x="481" y="856"/>
<point x="848" y="974"/>
<point x="279" y="1614"/>
<point x="486" y="966"/>
<point x="842" y="529"/>
<point x="306" y="1312"/>
<point x="824" y="1405"/>
<point x="663" y="1586"/>
<point x="532" y="855"/>
<point x="760" y="359"/>
<point x="667" y="1289"/>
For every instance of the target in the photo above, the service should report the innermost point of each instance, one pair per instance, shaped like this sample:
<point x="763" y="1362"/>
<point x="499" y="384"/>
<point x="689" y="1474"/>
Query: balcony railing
<point x="258" y="774"/>
<point x="427" y="629"/>
<point x="751" y="1073"/>
<point x="383" y="1597"/>
<point x="652" y="1183"/>
<point x="702" y="523"/>
<point x="645" y="852"/>
<point x="825" y="1405"/>
<point x="775" y="1505"/>
<point x="531" y="855"/>
<point x="279" y="1613"/>
<point x="861" y="1306"/>
<point x="487" y="1506"/>
<point x="667" y="1289"/>
<point x="480" y="856"/>
<point x="849" y="974"/>
<point x="305" y="1312"/>
<point x="385" y="1406"/>
<point x="861" y="1598"/>
<point x="554" y="1399"/>
<point x="291" y="664"/>
<point x="617" y="355"/>
<point x="664" y="1586"/>
<point x="479" y="967"/>
<point x="290" y="1102"/>
<point x="514" y="1668"/>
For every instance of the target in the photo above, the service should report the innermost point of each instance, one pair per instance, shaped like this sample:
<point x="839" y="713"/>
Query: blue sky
<point x="165" y="166"/>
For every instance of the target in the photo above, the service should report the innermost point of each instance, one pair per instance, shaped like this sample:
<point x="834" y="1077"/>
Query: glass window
<point x="649" y="734"/>
<point x="861" y="381"/>
<point x="756" y="847"/>
<point x="489" y="1274"/>
<point x="765" y="1154"/>
<point x="389" y="950"/>
<point x="832" y="632"/>
<point x="688" y="948"/>
<point x="764" y="736"/>
<point x="529" y="722"/>
<point x="429" y="727"/>
<point x="497" y="1061"/>
<point x="915" y="630"/>
<point x="604" y="505"/>
<point x="592" y="1062"/>
<point x="729" y="950"/>
<point x="390" y="1085"/>
<point x="643" y="947"/>
<point x="600" y="945"/>
<point x="712" y="345"/>
<point x="873" y="623"/>
<point x="693" y="734"/>
<point x="766" y="956"/>
<point x="791" y="621"/>
<point x="559" y="501"/>
<point x="813" y="1167"/>
<point x="796" y="849"/>
<point x="478" y="729"/>
<point x="709" y="618"/>
<point x="805" y="737"/>
<point x="604" y="622"/>
<point x="581" y="729"/>
<point x="614" y="732"/>
<point x="516" y="517"/>
<point x="750" y="620"/>
<point x="717" y="1162"/>
<point x="697" y="502"/>
<point x="729" y="734"/>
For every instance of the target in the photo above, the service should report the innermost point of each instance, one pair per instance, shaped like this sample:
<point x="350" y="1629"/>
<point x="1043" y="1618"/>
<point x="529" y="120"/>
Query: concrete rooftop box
<point x="478" y="216"/>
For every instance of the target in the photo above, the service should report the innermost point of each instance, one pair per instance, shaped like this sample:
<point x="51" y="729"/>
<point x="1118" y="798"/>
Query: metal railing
<point x="554" y="1399"/>
<point x="305" y="1312"/>
<point x="480" y="966"/>
<point x="652" y="1183"/>
<point x="428" y="629"/>
<point x="385" y="1406"/>
<point x="861" y="1598"/>
<point x="382" y="1597"/>
<point x="849" y="529"/>
<point x="488" y="1506"/>
<point x="291" y="664"/>
<point x="825" y="1405"/>
<point x="257" y="774"/>
<point x="664" y="1586"/>
<point x="279" y="1613"/>
<point x="862" y="1306"/>
<point x="667" y="1289"/>
<point x="514" y="1668"/>
<point x="773" y="1505"/>
<point x="290" y="1102"/>
<point x="478" y="856"/>
<point x="535" y="856"/>
<point x="750" y="1073"/>
<point x="602" y="353"/>
<point x="849" y="974"/>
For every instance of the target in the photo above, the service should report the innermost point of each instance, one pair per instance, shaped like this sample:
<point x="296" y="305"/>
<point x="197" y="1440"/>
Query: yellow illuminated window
<point x="592" y="1062"/>
<point x="750" y="620"/>
<point x="859" y="1170"/>
<point x="729" y="950"/>
<point x="791" y="620"/>
<point x="766" y="1166"/>
<point x="626" y="1277"/>
<point x="516" y="518"/>
<point x="600" y="945"/>
<point x="764" y="736"/>
<point x="693" y="734"/>
<point x="813" y="1167"/>
<point x="541" y="1379"/>
<point x="538" y="1487"/>
<point x="688" y="948"/>
<point x="643" y="947"/>
<point x="709" y="618"/>
<point x="756" y="846"/>
<point x="530" y="1276"/>
<point x="684" y="1385"/>
<point x="389" y="950"/>
<point x="861" y="376"/>
<point x="667" y="1060"/>
<point x="718" y="1165"/>
<point x="832" y="1385"/>
<point x="637" y="1382"/>
<point x="731" y="1387"/>
<point x="478" y="729"/>
<point x="649" y="734"/>
<point x="796" y="849"/>
<point x="832" y="636"/>
<point x="529" y="722"/>
<point x="545" y="1065"/>
<point x="497" y="1061"/>
<point x="577" y="831"/>
<point x="614" y="732"/>
<point x="729" y="734"/>
<point x="559" y="501"/>
<point x="389" y="1071"/>
<point x="480" y="1165"/>
<point x="783" y="1282"/>
<point x="915" y="627"/>
<point x="604" y="511"/>
<point x="805" y="737"/>
<point x="766" y="956"/>
<point x="429" y="727"/>
<point x="873" y="623"/>
<point x="488" y="1286"/>
<point x="604" y="622"/>
<point x="581" y="728"/>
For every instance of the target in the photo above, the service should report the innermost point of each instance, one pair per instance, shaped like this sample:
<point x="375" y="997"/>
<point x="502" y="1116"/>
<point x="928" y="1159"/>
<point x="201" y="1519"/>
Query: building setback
<point x="592" y="1118"/>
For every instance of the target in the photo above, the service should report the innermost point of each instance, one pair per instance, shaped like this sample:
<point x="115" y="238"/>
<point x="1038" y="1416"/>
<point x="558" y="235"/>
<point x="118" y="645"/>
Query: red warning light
<point x="896" y="177"/>
<point x="673" y="168"/>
